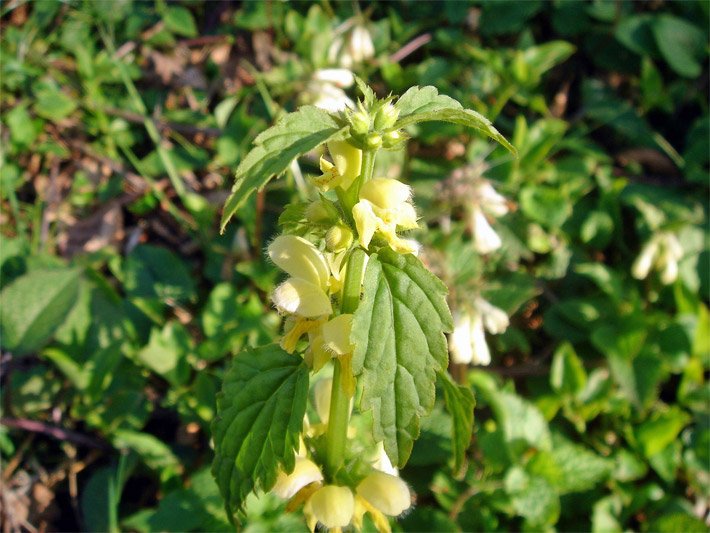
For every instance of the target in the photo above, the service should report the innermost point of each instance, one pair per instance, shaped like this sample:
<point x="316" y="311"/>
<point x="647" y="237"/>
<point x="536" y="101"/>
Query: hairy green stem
<point x="339" y="400"/>
<point x="339" y="415"/>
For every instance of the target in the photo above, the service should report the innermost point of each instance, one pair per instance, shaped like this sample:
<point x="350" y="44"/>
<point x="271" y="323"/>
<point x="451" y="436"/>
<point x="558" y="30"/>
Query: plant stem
<point x="339" y="400"/>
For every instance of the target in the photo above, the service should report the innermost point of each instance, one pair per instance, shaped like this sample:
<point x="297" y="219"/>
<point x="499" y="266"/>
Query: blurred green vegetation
<point x="122" y="123"/>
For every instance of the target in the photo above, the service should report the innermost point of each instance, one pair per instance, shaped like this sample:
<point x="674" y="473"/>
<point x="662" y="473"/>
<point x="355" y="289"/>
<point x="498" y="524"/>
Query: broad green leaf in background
<point x="522" y="423"/>
<point x="398" y="333"/>
<point x="569" y="467"/>
<point x="166" y="352"/>
<point x="34" y="306"/>
<point x="682" y="44"/>
<point x="179" y="20"/>
<point x="153" y="451"/>
<point x="293" y="135"/>
<point x="154" y="272"/>
<point x="459" y="402"/>
<point x="567" y="374"/>
<point x="660" y="430"/>
<point x="260" y="417"/>
<point x="424" y="104"/>
<point x="533" y="497"/>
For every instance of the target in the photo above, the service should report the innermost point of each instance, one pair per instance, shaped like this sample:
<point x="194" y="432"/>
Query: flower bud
<point x="374" y="141"/>
<point x="387" y="493"/>
<point x="338" y="238"/>
<point x="332" y="506"/>
<point x="321" y="211"/>
<point x="304" y="473"/>
<point x="392" y="139"/>
<point x="386" y="117"/>
<point x="360" y="122"/>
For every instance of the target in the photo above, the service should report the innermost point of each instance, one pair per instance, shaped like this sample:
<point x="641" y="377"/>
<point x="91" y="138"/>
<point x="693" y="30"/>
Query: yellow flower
<point x="304" y="293"/>
<point x="331" y="505"/>
<point x="347" y="162"/>
<point x="384" y="207"/>
<point x="388" y="494"/>
<point x="304" y="473"/>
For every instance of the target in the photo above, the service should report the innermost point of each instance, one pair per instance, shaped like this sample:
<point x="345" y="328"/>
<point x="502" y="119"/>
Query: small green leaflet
<point x="460" y="403"/>
<point x="423" y="104"/>
<point x="274" y="149"/>
<point x="34" y="306"/>
<point x="398" y="333"/>
<point x="259" y="419"/>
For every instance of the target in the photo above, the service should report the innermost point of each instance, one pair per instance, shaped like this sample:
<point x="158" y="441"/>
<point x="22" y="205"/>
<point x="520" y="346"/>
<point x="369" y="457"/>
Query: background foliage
<point x="122" y="123"/>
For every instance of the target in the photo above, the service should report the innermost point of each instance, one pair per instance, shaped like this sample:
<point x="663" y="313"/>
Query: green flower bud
<point x="374" y="141"/>
<point x="386" y="117"/>
<point x="338" y="238"/>
<point x="392" y="138"/>
<point x="360" y="123"/>
<point x="321" y="211"/>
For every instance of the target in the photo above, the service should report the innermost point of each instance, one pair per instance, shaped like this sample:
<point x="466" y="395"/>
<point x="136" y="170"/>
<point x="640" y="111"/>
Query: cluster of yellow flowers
<point x="315" y="283"/>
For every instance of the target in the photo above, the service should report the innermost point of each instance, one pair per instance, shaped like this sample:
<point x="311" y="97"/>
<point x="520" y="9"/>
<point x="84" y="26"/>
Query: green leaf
<point x="662" y="429"/>
<point x="260" y="417"/>
<point x="34" y="306"/>
<point x="533" y="497"/>
<point x="424" y="104"/>
<point x="567" y="374"/>
<point x="154" y="452"/>
<point x="682" y="44"/>
<point x="179" y="20"/>
<point x="460" y="403"/>
<point x="166" y="352"/>
<point x="569" y="467"/>
<point x="154" y="272"/>
<point x="293" y="135"/>
<point x="398" y="333"/>
<point x="522" y="423"/>
<point x="51" y="102"/>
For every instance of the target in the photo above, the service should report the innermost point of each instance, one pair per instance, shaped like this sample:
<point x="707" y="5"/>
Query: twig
<point x="58" y="433"/>
<point x="410" y="47"/>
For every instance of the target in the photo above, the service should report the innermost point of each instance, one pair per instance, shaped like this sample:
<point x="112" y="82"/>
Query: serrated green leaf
<point x="275" y="148"/>
<point x="460" y="403"/>
<point x="398" y="331"/>
<point x="260" y="417"/>
<point x="33" y="307"/>
<point x="424" y="104"/>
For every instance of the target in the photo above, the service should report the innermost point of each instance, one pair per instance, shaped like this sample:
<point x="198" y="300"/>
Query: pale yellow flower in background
<point x="385" y="206"/>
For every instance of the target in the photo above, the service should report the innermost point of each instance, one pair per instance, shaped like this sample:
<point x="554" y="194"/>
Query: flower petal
<point x="300" y="259"/>
<point x="302" y="298"/>
<point x="365" y="221"/>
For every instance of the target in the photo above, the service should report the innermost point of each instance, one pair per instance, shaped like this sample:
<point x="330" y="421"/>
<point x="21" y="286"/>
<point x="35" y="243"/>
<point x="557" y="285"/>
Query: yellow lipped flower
<point x="388" y="494"/>
<point x="331" y="505"/>
<point x="304" y="473"/>
<point x="305" y="292"/>
<point x="346" y="165"/>
<point x="385" y="206"/>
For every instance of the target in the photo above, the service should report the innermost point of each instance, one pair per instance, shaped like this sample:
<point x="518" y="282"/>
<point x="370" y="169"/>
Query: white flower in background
<point x="360" y="46"/>
<point x="329" y="97"/>
<point x="662" y="251"/>
<point x="468" y="340"/>
<point x="340" y="77"/>
<point x="486" y="201"/>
